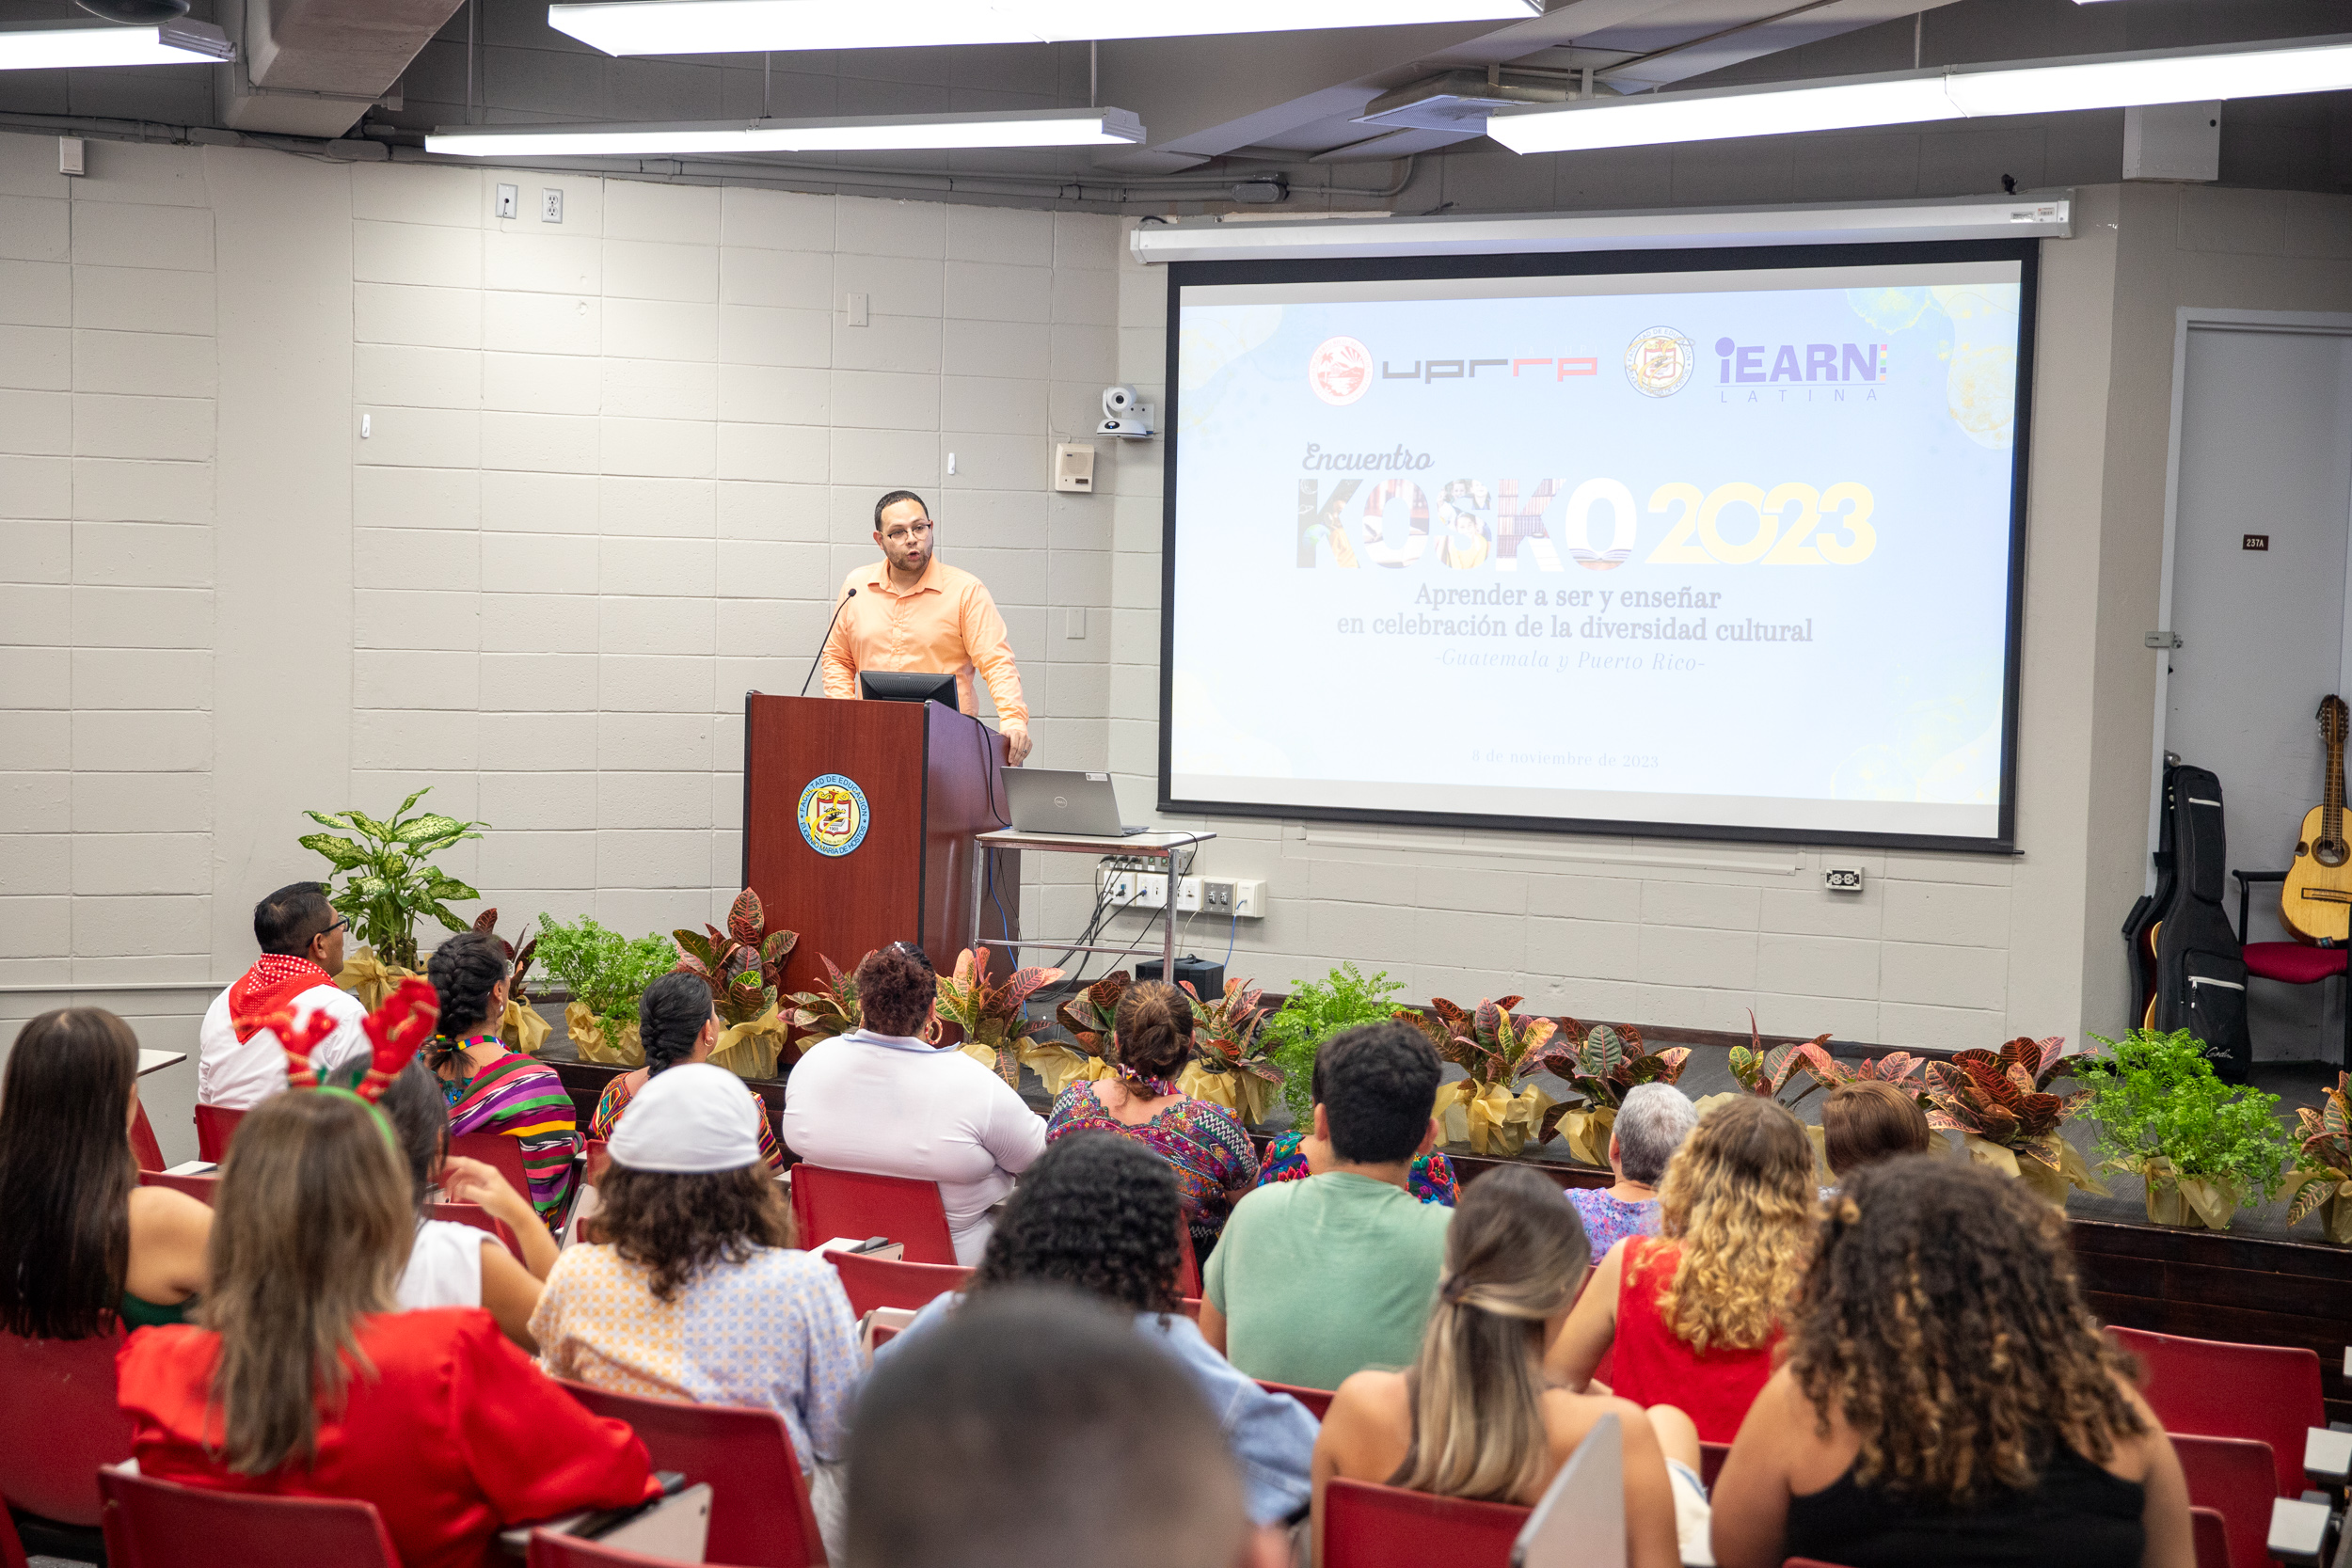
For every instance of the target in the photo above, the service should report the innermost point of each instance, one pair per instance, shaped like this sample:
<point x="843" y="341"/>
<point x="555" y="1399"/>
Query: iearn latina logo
<point x="1762" y="364"/>
<point x="1659" y="361"/>
<point x="1340" y="370"/>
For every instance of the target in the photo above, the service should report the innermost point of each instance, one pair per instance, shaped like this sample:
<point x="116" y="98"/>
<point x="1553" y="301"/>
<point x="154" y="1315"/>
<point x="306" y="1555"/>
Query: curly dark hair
<point x="895" y="987"/>
<point x="1152" y="1030"/>
<point x="464" y="971"/>
<point x="669" y="1016"/>
<point x="680" y="1225"/>
<point x="1097" y="1212"/>
<point x="1942" y="1317"/>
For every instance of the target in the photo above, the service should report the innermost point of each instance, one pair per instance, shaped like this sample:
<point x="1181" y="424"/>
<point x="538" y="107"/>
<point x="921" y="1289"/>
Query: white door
<point x="2265" y="448"/>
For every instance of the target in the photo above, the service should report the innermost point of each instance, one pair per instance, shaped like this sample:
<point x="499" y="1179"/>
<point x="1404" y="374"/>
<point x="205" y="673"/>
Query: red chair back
<point x="1192" y="1307"/>
<point x="480" y="1218"/>
<point x="2212" y="1388"/>
<point x="144" y="1148"/>
<point x="1317" y="1401"/>
<point x="570" y="1551"/>
<point x="70" y="1384"/>
<point x="2212" y="1537"/>
<point x="158" y="1523"/>
<point x="12" y="1548"/>
<point x="497" y="1151"/>
<point x="214" y="1126"/>
<point x="872" y="1282"/>
<point x="1188" y="1268"/>
<point x="2233" y="1478"/>
<point x="197" y="1187"/>
<point x="1366" y="1526"/>
<point x="598" y="1157"/>
<point x="829" y="1203"/>
<point x="1712" y="1457"/>
<point x="759" y="1509"/>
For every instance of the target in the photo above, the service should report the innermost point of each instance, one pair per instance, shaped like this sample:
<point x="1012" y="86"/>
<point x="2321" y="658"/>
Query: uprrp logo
<point x="1659" y="360"/>
<point x="1340" y="370"/>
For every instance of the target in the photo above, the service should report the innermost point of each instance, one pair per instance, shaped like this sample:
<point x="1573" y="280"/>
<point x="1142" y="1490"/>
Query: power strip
<point x="1124" y="888"/>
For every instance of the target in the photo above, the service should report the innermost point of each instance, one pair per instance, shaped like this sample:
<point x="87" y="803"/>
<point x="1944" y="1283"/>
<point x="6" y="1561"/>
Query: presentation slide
<point x="1725" y="550"/>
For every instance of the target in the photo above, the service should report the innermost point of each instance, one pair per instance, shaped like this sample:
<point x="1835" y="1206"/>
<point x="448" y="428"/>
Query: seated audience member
<point x="1695" y="1316"/>
<point x="695" y="1293"/>
<point x="491" y="1088"/>
<point x="1318" y="1279"/>
<point x="460" y="1265"/>
<point x="1033" y="1428"/>
<point x="1098" y="1214"/>
<point x="1474" y="1417"/>
<point x="1150" y="1041"/>
<point x="1294" y="1155"/>
<point x="1868" y="1121"/>
<point x="310" y="1382"/>
<point x="1650" y="1126"/>
<point x="239" y="1063"/>
<point x="85" y="1247"/>
<point x="1948" y="1399"/>
<point x="677" y="1024"/>
<point x="885" y="1101"/>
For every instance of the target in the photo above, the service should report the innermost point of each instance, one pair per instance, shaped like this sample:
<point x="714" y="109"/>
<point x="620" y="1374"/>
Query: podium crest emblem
<point x="833" y="815"/>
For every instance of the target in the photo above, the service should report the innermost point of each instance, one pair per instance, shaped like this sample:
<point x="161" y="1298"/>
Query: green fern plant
<point x="1316" y="1010"/>
<point x="384" y="879"/>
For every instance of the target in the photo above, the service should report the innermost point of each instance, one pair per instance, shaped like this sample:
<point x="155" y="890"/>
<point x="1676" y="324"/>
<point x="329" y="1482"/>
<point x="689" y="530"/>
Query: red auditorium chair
<point x="872" y="1282"/>
<point x="71" y="1383"/>
<point x="216" y="1125"/>
<point x="1188" y="1266"/>
<point x="1365" y="1526"/>
<point x="830" y="1203"/>
<point x="2292" y="964"/>
<point x="2212" y="1388"/>
<point x="2211" y="1533"/>
<point x="158" y="1523"/>
<point x="597" y="1158"/>
<point x="759" y="1511"/>
<point x="480" y="1219"/>
<point x="197" y="1187"/>
<point x="570" y="1551"/>
<point x="497" y="1151"/>
<point x="1317" y="1401"/>
<point x="1712" y="1457"/>
<point x="2233" y="1478"/>
<point x="144" y="1148"/>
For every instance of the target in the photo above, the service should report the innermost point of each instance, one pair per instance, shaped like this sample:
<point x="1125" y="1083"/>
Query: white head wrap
<point x="688" y="1120"/>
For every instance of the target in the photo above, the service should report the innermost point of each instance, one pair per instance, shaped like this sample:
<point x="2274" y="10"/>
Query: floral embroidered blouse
<point x="1214" y="1160"/>
<point x="1430" y="1180"/>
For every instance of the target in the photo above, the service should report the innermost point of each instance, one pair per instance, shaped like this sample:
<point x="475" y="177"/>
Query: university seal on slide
<point x="1659" y="360"/>
<point x="1340" y="370"/>
<point x="833" y="815"/>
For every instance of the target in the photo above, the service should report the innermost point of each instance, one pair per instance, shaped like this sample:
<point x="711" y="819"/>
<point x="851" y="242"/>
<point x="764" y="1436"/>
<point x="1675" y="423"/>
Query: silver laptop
<point x="1083" y="806"/>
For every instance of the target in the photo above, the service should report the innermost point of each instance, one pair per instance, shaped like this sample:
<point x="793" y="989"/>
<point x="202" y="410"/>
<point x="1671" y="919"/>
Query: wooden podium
<point x="858" y="824"/>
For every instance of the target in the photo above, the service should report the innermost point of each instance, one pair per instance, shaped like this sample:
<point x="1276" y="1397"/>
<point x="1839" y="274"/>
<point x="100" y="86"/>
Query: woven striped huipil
<point x="526" y="1101"/>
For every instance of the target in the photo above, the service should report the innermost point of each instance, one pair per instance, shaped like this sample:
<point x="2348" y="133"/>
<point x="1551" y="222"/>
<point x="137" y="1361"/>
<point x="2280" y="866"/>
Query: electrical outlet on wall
<point x="1234" y="899"/>
<point x="1842" y="878"/>
<point x="551" y="205"/>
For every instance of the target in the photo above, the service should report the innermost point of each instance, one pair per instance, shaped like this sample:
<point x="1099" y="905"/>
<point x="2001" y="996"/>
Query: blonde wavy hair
<point x="1740" y="1198"/>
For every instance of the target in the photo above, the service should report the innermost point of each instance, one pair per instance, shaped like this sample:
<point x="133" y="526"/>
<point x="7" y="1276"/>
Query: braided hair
<point x="669" y="1017"/>
<point x="464" y="970"/>
<point x="1151" y="1037"/>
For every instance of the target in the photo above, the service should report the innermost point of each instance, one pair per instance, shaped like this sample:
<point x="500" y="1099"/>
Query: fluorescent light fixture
<point x="737" y="26"/>
<point x="178" y="43"/>
<point x="1973" y="217"/>
<point x="864" y="133"/>
<point x="1953" y="92"/>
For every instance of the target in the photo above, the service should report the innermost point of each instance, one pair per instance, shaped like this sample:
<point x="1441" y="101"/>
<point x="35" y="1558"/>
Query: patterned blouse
<point x="774" y="1332"/>
<point x="617" y="1094"/>
<point x="525" y="1100"/>
<point x="1610" y="1220"/>
<point x="1431" y="1178"/>
<point x="1213" y="1158"/>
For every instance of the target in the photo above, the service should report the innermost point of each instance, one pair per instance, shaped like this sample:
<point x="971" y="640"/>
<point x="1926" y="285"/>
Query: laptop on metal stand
<point x="1083" y="806"/>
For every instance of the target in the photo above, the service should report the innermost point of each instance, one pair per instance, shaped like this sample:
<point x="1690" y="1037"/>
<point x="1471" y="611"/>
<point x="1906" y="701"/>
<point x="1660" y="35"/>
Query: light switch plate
<point x="857" y="310"/>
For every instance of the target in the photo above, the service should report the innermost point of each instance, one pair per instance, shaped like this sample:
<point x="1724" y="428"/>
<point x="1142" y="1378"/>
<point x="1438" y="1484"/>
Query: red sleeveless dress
<point x="1714" y="1387"/>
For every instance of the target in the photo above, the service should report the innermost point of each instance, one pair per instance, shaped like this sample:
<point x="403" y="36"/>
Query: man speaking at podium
<point x="910" y="612"/>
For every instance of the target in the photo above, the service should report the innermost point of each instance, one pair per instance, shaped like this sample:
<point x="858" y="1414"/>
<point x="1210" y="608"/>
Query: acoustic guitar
<point x="2316" y="902"/>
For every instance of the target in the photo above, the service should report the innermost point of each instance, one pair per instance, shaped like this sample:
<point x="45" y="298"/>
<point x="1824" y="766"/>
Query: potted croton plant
<point x="520" y="1027"/>
<point x="1609" y="1060"/>
<point x="2321" y="1181"/>
<point x="1493" y="1109"/>
<point x="743" y="966"/>
<point x="1227" y="1067"/>
<point x="829" y="1010"/>
<point x="2005" y="1116"/>
<point x="996" y="1026"/>
<point x="1086" y="1017"/>
<point x="2205" y="1149"/>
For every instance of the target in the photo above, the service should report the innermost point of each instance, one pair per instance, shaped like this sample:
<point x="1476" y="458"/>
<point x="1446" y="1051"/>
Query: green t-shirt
<point x="1326" y="1277"/>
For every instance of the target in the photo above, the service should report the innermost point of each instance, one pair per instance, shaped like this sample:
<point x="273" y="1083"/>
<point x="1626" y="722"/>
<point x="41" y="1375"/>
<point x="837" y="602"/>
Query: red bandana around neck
<point x="270" y="987"/>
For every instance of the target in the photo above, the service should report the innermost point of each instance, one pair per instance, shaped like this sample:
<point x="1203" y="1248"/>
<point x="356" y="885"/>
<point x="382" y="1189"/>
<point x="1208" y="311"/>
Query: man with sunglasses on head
<point x="911" y="612"/>
<point x="239" y="1062"/>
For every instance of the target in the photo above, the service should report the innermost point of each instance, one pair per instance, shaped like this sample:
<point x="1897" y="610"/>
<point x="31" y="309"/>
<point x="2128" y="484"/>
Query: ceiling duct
<point x="1461" y="99"/>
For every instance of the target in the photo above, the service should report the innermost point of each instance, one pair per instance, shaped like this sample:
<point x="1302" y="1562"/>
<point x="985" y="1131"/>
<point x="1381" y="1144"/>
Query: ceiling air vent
<point x="1461" y="99"/>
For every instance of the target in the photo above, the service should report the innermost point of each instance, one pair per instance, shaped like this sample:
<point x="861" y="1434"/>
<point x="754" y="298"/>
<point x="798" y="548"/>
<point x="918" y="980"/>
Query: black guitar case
<point x="2199" y="966"/>
<point x="2146" y="911"/>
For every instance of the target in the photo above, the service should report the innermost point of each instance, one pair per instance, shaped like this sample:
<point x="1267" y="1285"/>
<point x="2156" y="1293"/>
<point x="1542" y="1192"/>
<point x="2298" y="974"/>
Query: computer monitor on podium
<point x="906" y="685"/>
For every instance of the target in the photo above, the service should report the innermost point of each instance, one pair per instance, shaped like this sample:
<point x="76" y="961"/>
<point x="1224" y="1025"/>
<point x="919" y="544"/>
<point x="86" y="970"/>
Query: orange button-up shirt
<point x="946" y="624"/>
